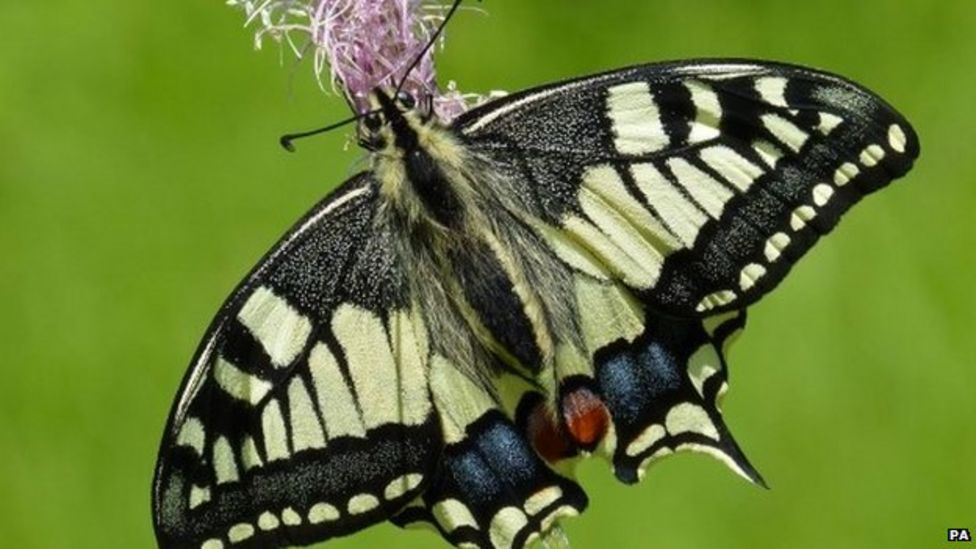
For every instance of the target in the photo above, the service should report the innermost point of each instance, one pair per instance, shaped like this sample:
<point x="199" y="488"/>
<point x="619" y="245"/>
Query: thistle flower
<point x="363" y="44"/>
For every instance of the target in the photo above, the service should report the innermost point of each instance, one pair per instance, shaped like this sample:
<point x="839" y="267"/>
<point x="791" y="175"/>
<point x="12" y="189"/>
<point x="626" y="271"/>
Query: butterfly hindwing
<point x="697" y="184"/>
<point x="306" y="414"/>
<point x="663" y="390"/>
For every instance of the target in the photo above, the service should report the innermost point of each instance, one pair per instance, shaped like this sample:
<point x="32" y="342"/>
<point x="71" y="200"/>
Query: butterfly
<point x="554" y="274"/>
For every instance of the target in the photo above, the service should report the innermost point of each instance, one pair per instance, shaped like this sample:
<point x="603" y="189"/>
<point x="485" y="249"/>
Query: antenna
<point x="430" y="44"/>
<point x="286" y="140"/>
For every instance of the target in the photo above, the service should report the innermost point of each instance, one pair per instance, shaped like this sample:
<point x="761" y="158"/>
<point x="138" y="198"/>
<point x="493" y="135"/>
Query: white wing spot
<point x="551" y="518"/>
<point x="702" y="365"/>
<point x="606" y="185"/>
<point x="796" y="222"/>
<point x="240" y="532"/>
<point x="845" y="173"/>
<point x="224" y="463"/>
<point x="538" y="501"/>
<point x="897" y="139"/>
<point x="249" y="454"/>
<point x="708" y="112"/>
<point x="724" y="160"/>
<point x="715" y="299"/>
<point x="192" y="435"/>
<point x="240" y="384"/>
<point x="306" y="430"/>
<point x="273" y="428"/>
<point x="772" y="89"/>
<point x="212" y="544"/>
<point x="459" y="400"/>
<point x="362" y="503"/>
<point x="828" y="122"/>
<point x="290" y="517"/>
<point x="707" y="192"/>
<point x="679" y="213"/>
<point x="412" y="361"/>
<point x="281" y="330"/>
<point x="775" y="246"/>
<point x="333" y="393"/>
<point x="374" y="374"/>
<point x="626" y="224"/>
<point x="871" y="155"/>
<point x="452" y="514"/>
<point x="822" y="193"/>
<point x="198" y="496"/>
<point x="647" y="438"/>
<point x="635" y="119"/>
<point x="607" y="313"/>
<point x="687" y="417"/>
<point x="607" y="251"/>
<point x="322" y="512"/>
<point x="268" y="521"/>
<point x="401" y="485"/>
<point x="750" y="275"/>
<point x="505" y="525"/>
<point x="769" y="153"/>
<point x="787" y="132"/>
<point x="716" y="453"/>
<point x="571" y="252"/>
<point x="801" y="216"/>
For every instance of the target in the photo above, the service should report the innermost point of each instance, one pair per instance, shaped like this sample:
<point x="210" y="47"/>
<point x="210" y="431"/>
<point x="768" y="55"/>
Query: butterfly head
<point x="394" y="120"/>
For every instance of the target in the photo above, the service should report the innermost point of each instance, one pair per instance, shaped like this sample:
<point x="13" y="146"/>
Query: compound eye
<point x="406" y="99"/>
<point x="373" y="122"/>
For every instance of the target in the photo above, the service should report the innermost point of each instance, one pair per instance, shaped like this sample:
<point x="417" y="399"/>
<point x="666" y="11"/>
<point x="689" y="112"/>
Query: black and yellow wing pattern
<point x="734" y="169"/>
<point x="278" y="410"/>
<point x="557" y="273"/>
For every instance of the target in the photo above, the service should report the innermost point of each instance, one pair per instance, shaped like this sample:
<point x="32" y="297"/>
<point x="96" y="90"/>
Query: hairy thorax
<point x="473" y="260"/>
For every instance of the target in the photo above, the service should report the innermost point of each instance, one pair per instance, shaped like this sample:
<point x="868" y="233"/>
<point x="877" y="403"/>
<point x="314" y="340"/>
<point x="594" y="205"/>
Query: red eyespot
<point x="546" y="436"/>
<point x="585" y="416"/>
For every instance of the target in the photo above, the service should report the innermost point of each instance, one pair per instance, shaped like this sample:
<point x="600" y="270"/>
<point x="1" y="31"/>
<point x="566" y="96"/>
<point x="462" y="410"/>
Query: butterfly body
<point x="554" y="274"/>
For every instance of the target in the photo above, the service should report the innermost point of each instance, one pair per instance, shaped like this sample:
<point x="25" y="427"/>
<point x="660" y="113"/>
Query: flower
<point x="363" y="43"/>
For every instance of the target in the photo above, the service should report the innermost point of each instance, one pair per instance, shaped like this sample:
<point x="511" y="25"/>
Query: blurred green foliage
<point x="140" y="179"/>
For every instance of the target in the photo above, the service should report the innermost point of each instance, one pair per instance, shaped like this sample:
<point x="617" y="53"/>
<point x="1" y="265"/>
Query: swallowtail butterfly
<point x="553" y="274"/>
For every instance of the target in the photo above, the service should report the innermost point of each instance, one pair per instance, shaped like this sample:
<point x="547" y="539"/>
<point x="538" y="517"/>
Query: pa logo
<point x="959" y="534"/>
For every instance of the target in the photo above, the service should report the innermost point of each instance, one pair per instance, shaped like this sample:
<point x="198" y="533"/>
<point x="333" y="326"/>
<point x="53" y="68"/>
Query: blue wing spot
<point x="623" y="391"/>
<point x="495" y="460"/>
<point x="480" y="483"/>
<point x="508" y="452"/>
<point x="660" y="369"/>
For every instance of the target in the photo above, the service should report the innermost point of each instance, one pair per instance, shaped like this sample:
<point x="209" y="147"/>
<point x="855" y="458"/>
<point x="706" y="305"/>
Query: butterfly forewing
<point x="697" y="184"/>
<point x="306" y="414"/>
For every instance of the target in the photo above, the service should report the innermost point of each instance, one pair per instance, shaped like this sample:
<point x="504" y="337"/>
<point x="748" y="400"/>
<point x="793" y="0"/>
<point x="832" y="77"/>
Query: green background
<point x="140" y="179"/>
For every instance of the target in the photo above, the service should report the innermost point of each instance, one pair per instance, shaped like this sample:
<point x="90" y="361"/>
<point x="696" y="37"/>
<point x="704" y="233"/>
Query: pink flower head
<point x="364" y="43"/>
